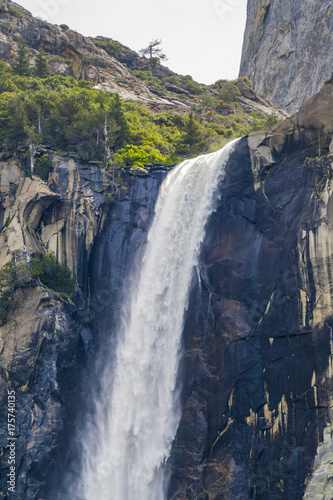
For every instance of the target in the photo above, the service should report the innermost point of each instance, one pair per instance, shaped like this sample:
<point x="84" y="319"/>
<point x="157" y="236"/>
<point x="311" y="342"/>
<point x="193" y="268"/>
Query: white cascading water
<point x="126" y="448"/>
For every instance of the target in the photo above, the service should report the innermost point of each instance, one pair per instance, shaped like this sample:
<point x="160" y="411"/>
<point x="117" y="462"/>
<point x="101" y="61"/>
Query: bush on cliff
<point x="12" y="276"/>
<point x="139" y="156"/>
<point x="51" y="273"/>
<point x="22" y="273"/>
<point x="43" y="167"/>
<point x="15" y="274"/>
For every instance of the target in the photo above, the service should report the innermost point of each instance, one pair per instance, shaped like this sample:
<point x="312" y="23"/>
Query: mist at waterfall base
<point x="126" y="445"/>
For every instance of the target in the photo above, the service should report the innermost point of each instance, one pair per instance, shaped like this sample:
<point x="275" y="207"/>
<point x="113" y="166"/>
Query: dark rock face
<point x="257" y="377"/>
<point x="285" y="45"/>
<point x="40" y="351"/>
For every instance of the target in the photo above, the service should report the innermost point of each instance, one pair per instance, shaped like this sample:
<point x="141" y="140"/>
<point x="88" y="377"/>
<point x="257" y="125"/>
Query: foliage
<point x="86" y="60"/>
<point x="70" y="116"/>
<point x="60" y="59"/>
<point x="51" y="273"/>
<point x="192" y="87"/>
<point x="112" y="47"/>
<point x="193" y="139"/>
<point x="228" y="91"/>
<point x="17" y="13"/>
<point x="22" y="64"/>
<point x="6" y="83"/>
<point x="15" y="274"/>
<point x="12" y="276"/>
<point x="151" y="81"/>
<point x="153" y="49"/>
<point x="172" y="79"/>
<point x="246" y="80"/>
<point x="21" y="273"/>
<point x="60" y="113"/>
<point x="108" y="199"/>
<point x="138" y="156"/>
<point x="42" y="69"/>
<point x="43" y="167"/>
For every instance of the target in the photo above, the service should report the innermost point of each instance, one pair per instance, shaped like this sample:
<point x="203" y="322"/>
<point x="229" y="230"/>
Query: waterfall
<point x="136" y="419"/>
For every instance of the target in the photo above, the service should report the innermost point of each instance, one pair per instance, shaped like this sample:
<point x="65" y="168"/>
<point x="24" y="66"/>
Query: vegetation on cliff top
<point x="69" y="116"/>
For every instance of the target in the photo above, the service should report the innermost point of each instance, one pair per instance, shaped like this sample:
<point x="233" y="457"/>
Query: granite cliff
<point x="287" y="50"/>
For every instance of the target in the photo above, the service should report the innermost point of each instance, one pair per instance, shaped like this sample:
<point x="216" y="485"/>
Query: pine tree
<point x="22" y="65"/>
<point x="42" y="69"/>
<point x="192" y="131"/>
<point x="193" y="139"/>
<point x="153" y="50"/>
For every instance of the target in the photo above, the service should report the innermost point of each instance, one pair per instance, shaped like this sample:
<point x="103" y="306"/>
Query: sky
<point x="201" y="38"/>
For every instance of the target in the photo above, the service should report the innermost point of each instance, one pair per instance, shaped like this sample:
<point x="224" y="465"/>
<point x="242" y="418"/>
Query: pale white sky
<point x="202" y="38"/>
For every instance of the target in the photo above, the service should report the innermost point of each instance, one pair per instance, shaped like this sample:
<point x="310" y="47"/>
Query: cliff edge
<point x="287" y="50"/>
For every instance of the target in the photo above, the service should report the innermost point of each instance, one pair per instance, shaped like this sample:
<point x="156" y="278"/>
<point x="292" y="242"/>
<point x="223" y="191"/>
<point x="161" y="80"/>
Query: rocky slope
<point x="71" y="54"/>
<point x="287" y="50"/>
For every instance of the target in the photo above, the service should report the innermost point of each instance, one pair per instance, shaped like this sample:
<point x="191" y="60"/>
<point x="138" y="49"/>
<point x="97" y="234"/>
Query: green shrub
<point x="52" y="274"/>
<point x="15" y="274"/>
<point x="19" y="274"/>
<point x="246" y="80"/>
<point x="174" y="80"/>
<point x="193" y="138"/>
<point x="112" y="47"/>
<point x="17" y="13"/>
<point x="12" y="276"/>
<point x="139" y="156"/>
<point x="60" y="59"/>
<point x="43" y="167"/>
<point x="143" y="75"/>
<point x="228" y="91"/>
<point x="86" y="60"/>
<point x="108" y="199"/>
<point x="191" y="87"/>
